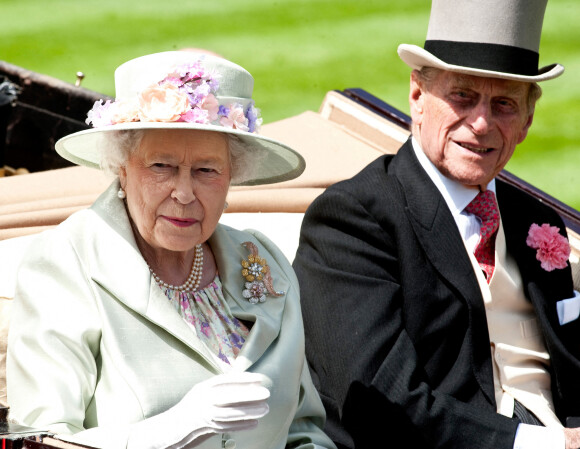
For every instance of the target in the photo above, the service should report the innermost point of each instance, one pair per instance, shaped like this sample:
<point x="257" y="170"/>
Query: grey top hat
<point x="491" y="38"/>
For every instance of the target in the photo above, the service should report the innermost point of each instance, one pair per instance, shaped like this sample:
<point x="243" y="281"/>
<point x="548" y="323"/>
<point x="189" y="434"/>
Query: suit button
<point x="230" y="444"/>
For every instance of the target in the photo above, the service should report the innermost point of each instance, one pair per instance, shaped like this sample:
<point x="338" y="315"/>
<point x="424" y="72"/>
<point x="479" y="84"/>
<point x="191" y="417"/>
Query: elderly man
<point x="432" y="318"/>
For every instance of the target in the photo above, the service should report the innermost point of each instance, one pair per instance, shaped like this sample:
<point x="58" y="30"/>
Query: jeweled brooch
<point x="256" y="272"/>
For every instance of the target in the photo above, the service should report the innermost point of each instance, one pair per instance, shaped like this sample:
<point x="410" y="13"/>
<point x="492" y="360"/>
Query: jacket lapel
<point x="543" y="288"/>
<point x="518" y="213"/>
<point x="266" y="317"/>
<point x="136" y="289"/>
<point x="436" y="231"/>
<point x="124" y="274"/>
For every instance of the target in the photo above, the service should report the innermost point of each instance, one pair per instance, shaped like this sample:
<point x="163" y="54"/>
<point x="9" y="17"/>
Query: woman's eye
<point x="208" y="170"/>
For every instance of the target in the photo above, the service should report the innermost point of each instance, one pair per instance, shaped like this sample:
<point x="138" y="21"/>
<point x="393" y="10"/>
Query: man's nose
<point x="480" y="118"/>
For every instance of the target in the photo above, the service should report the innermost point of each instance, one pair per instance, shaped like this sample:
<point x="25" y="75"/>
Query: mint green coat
<point x="94" y="343"/>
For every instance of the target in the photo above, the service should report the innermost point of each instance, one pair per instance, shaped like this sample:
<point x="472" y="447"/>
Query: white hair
<point x="117" y="146"/>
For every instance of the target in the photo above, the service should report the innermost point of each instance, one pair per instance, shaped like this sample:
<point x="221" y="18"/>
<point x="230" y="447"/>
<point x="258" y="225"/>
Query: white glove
<point x="224" y="403"/>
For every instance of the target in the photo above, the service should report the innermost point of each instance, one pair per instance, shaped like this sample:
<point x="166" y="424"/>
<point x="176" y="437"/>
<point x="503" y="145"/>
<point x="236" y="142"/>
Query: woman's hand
<point x="224" y="403"/>
<point x="229" y="402"/>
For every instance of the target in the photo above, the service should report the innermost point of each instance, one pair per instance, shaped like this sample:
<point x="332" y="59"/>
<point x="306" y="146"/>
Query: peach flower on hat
<point x="162" y="103"/>
<point x="125" y="111"/>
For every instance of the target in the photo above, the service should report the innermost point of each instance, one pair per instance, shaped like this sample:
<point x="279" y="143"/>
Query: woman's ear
<point x="123" y="176"/>
<point x="416" y="98"/>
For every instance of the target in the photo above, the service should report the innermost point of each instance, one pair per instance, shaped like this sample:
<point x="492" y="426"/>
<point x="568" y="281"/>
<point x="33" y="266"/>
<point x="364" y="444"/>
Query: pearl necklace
<point x="194" y="278"/>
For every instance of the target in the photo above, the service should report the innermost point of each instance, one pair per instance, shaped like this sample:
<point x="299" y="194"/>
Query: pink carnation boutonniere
<point x="553" y="249"/>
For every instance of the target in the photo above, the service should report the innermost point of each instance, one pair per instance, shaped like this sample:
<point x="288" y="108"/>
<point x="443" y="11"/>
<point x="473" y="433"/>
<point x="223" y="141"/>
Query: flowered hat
<point x="184" y="90"/>
<point x="491" y="38"/>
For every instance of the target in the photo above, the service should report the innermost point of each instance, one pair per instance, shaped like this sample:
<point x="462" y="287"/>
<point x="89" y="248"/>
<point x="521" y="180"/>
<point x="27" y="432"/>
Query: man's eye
<point x="506" y="105"/>
<point x="462" y="94"/>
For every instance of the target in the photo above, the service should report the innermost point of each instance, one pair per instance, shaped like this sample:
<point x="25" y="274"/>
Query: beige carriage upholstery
<point x="336" y="142"/>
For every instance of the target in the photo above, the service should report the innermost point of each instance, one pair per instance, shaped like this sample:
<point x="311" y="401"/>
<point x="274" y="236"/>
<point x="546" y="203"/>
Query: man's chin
<point x="470" y="179"/>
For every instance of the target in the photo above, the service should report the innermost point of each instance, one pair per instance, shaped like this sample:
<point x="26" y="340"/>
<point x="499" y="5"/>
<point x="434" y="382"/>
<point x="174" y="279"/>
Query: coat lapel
<point x="435" y="227"/>
<point x="137" y="291"/>
<point x="123" y="273"/>
<point x="436" y="231"/>
<point x="543" y="288"/>
<point x="266" y="317"/>
<point x="518" y="213"/>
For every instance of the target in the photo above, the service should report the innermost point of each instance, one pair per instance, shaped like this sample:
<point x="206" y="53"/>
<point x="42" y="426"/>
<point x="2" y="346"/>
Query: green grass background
<point x="297" y="50"/>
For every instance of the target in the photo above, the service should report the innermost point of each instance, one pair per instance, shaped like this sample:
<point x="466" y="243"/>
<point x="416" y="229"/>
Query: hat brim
<point x="281" y="162"/>
<point x="417" y="58"/>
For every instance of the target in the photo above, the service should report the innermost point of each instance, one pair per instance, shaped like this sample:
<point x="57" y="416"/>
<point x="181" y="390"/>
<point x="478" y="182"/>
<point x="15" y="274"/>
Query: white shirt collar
<point x="456" y="195"/>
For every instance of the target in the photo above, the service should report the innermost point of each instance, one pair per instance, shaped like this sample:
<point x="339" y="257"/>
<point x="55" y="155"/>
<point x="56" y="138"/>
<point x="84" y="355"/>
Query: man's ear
<point x="416" y="98"/>
<point x="524" y="131"/>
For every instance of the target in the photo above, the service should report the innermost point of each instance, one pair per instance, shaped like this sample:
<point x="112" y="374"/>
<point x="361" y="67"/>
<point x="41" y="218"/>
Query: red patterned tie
<point x="485" y="207"/>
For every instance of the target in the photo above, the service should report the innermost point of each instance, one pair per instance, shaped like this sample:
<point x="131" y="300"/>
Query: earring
<point x="121" y="194"/>
<point x="226" y="205"/>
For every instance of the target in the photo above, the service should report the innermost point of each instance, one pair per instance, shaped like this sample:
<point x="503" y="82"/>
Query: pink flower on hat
<point x="211" y="105"/>
<point x="235" y="118"/>
<point x="164" y="103"/>
<point x="553" y="249"/>
<point x="195" y="115"/>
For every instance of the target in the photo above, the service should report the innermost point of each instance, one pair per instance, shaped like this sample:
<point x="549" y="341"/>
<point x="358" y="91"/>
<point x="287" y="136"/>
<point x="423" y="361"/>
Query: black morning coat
<point x="396" y="332"/>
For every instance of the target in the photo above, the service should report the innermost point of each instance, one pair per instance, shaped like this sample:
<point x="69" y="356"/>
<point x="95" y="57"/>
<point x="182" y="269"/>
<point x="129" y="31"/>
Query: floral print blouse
<point x="207" y="312"/>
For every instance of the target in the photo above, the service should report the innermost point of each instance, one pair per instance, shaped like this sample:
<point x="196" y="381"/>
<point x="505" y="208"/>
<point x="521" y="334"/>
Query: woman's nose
<point x="183" y="188"/>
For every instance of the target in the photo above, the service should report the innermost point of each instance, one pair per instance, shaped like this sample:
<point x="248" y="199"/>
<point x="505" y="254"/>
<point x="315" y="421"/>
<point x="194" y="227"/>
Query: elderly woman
<point x="142" y="322"/>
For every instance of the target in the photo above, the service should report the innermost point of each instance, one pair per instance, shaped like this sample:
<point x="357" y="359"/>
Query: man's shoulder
<point x="371" y="196"/>
<point x="361" y="184"/>
<point x="383" y="169"/>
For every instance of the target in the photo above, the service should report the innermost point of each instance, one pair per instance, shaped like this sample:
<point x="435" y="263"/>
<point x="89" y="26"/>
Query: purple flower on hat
<point x="198" y="94"/>
<point x="214" y="83"/>
<point x="254" y="122"/>
<point x="99" y="115"/>
<point x="223" y="111"/>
